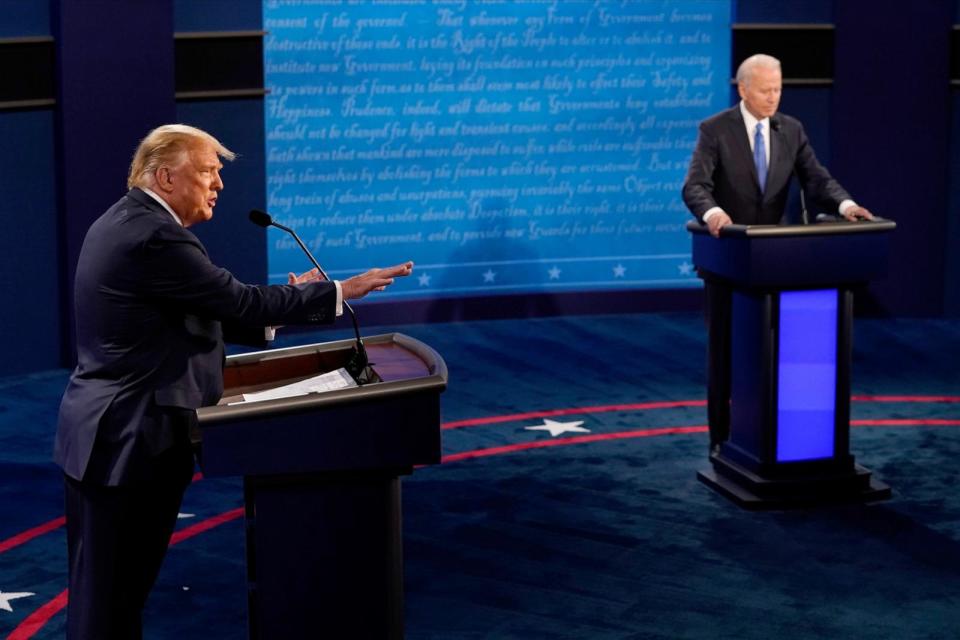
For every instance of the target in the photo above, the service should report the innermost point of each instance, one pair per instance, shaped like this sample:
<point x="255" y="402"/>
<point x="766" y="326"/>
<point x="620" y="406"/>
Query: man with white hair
<point x="149" y="306"/>
<point x="740" y="172"/>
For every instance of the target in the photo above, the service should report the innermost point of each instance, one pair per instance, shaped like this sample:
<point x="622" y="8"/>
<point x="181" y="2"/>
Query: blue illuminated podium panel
<point x="790" y="343"/>
<point x="807" y="374"/>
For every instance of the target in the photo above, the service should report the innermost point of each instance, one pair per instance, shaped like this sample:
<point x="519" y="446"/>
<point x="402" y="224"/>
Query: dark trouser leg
<point x="116" y="540"/>
<point x="718" y="300"/>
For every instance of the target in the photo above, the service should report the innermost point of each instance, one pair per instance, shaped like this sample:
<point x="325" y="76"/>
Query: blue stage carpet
<point x="600" y="531"/>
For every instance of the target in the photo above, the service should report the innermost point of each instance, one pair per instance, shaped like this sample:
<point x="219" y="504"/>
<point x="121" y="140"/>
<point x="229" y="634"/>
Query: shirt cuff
<point x="710" y="213"/>
<point x="339" y="309"/>
<point x="269" y="333"/>
<point x="846" y="204"/>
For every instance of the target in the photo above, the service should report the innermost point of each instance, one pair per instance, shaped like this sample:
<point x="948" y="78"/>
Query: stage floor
<point x="567" y="504"/>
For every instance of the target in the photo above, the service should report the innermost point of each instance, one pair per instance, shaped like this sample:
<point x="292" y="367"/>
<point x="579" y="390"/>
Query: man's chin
<point x="199" y="216"/>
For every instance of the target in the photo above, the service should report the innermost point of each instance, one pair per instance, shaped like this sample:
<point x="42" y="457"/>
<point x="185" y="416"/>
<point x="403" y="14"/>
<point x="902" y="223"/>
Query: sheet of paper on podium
<point x="338" y="379"/>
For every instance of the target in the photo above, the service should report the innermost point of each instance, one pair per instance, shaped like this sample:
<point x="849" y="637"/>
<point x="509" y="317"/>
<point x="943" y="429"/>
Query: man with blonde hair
<point x="163" y="145"/>
<point x="740" y="172"/>
<point x="149" y="307"/>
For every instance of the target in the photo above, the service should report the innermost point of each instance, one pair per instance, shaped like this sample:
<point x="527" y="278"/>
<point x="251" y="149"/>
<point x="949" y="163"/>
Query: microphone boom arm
<point x="358" y="364"/>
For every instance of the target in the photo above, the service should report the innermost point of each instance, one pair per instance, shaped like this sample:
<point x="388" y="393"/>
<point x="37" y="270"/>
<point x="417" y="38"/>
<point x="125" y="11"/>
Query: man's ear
<point x="163" y="178"/>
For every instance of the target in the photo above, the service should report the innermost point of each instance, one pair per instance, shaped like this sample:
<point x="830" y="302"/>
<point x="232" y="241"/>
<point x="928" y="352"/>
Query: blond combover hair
<point x="168" y="145"/>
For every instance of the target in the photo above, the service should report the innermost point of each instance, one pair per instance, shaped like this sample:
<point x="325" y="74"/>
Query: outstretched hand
<point x="307" y="276"/>
<point x="373" y="280"/>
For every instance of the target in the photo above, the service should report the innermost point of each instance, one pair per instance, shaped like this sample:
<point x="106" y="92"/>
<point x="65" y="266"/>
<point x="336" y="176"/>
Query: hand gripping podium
<point x="790" y="346"/>
<point x="322" y="483"/>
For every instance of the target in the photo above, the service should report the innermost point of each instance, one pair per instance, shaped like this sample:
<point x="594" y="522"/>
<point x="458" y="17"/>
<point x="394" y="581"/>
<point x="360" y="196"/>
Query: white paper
<point x="329" y="381"/>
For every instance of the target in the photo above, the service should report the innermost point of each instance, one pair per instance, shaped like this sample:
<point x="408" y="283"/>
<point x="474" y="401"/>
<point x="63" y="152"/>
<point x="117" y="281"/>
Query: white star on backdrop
<point x="489" y="275"/>
<point x="619" y="271"/>
<point x="554" y="273"/>
<point x="556" y="428"/>
<point x="424" y="279"/>
<point x="182" y="515"/>
<point x="685" y="268"/>
<point x="5" y="599"/>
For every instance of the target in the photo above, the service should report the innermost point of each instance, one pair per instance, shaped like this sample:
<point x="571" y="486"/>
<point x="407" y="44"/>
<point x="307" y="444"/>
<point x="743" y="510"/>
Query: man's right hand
<point x="717" y="221"/>
<point x="375" y="279"/>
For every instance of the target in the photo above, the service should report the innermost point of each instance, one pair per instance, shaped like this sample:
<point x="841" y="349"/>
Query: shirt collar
<point x="751" y="121"/>
<point x="163" y="203"/>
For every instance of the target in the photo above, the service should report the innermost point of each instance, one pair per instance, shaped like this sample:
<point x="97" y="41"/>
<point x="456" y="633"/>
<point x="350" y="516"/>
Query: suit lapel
<point x="741" y="143"/>
<point x="780" y="166"/>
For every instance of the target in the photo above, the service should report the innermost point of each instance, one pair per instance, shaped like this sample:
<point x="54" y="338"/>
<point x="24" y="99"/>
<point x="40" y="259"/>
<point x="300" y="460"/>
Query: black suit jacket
<point x="722" y="173"/>
<point x="149" y="305"/>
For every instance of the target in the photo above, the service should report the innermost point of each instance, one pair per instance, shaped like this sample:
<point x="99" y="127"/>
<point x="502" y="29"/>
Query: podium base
<point x="756" y="493"/>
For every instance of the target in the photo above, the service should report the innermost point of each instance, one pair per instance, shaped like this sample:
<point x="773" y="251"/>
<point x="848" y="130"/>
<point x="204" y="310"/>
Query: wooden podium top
<point x="392" y="424"/>
<point x="403" y="364"/>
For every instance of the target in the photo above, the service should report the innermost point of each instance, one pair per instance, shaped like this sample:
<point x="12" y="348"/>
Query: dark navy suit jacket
<point x="149" y="307"/>
<point x="722" y="172"/>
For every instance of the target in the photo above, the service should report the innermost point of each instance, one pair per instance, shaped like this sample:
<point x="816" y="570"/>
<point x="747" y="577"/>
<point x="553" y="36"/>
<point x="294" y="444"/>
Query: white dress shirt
<point x="751" y="123"/>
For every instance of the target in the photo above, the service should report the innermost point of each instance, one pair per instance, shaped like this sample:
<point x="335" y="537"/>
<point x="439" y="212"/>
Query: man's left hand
<point x="373" y="280"/>
<point x="308" y="276"/>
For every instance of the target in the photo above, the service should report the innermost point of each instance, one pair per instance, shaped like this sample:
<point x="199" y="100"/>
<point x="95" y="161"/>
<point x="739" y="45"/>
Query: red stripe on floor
<point x="30" y="534"/>
<point x="907" y="422"/>
<point x="640" y="406"/>
<point x="194" y="530"/>
<point x="596" y="437"/>
<point x="905" y="398"/>
<point x="36" y="620"/>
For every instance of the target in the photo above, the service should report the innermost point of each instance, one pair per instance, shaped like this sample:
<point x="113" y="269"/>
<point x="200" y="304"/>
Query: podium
<point x="322" y="482"/>
<point x="791" y="345"/>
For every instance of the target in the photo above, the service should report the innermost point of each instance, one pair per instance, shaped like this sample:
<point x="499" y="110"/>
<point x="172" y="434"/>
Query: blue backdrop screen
<point x="504" y="146"/>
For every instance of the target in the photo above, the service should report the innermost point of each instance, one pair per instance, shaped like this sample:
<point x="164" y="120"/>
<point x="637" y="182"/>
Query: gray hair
<point x="757" y="60"/>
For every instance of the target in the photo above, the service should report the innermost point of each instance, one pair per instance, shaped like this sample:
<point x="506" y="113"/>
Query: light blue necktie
<point x="760" y="157"/>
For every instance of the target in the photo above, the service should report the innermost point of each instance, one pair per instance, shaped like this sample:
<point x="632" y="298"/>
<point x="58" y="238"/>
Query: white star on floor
<point x="5" y="599"/>
<point x="686" y="268"/>
<point x="556" y="428"/>
<point x="554" y="273"/>
<point x="424" y="279"/>
<point x="619" y="271"/>
<point x="489" y="275"/>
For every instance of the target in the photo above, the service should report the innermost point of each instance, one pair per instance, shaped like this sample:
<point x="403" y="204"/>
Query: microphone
<point x="358" y="365"/>
<point x="804" y="214"/>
